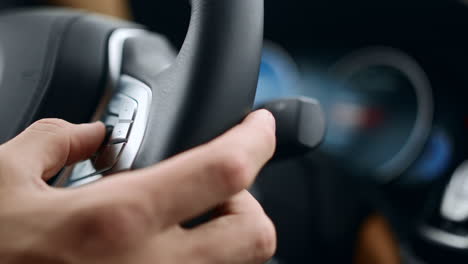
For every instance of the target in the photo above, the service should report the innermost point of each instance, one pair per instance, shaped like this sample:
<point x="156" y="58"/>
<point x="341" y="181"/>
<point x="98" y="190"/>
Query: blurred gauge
<point x="381" y="112"/>
<point x="279" y="75"/>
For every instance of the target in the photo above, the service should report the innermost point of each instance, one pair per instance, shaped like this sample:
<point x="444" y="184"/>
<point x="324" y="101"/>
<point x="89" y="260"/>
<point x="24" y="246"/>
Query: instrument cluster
<point x="392" y="81"/>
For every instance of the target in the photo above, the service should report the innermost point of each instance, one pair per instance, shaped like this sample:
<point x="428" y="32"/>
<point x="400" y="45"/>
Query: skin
<point x="135" y="217"/>
<point x="117" y="8"/>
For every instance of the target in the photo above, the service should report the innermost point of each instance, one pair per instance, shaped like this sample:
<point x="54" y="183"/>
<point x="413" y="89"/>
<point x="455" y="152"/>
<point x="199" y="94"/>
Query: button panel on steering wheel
<point x="126" y="118"/>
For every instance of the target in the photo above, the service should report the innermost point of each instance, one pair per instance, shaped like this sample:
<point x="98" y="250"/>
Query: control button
<point x="108" y="156"/>
<point x="115" y="104"/>
<point x="109" y="131"/>
<point x="123" y="106"/>
<point x="127" y="109"/>
<point x="82" y="170"/>
<point x="84" y="181"/>
<point x="120" y="133"/>
<point x="110" y="120"/>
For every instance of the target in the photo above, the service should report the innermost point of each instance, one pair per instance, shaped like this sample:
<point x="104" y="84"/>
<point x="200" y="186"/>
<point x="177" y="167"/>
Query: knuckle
<point x="55" y="133"/>
<point x="264" y="240"/>
<point x="234" y="171"/>
<point x="50" y="125"/>
<point x="56" y="128"/>
<point x="114" y="226"/>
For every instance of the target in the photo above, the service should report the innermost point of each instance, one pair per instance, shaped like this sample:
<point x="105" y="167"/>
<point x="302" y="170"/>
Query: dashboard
<point x="391" y="78"/>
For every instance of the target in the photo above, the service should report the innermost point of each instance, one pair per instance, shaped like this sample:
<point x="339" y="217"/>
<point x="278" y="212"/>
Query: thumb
<point x="50" y="144"/>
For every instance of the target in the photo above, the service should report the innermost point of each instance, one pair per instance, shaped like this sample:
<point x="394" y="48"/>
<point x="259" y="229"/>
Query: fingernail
<point x="98" y="122"/>
<point x="267" y="116"/>
<point x="94" y="125"/>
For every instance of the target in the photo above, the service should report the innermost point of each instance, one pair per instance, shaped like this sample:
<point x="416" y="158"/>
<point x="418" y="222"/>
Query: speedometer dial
<point x="381" y="113"/>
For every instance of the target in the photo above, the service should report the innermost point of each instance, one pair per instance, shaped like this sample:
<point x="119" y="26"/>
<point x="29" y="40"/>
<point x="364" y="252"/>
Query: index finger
<point x="49" y="144"/>
<point x="194" y="182"/>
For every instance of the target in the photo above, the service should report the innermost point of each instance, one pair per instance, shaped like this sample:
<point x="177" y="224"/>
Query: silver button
<point x="120" y="133"/>
<point x="123" y="106"/>
<point x="111" y="120"/>
<point x="115" y="104"/>
<point x="128" y="109"/>
<point x="82" y="170"/>
<point x="108" y="157"/>
<point x="85" y="181"/>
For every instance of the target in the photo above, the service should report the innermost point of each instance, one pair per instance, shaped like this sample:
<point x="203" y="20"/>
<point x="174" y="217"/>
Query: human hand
<point x="135" y="217"/>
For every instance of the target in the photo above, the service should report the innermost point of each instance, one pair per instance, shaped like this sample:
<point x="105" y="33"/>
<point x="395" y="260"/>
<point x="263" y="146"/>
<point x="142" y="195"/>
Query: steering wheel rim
<point x="211" y="85"/>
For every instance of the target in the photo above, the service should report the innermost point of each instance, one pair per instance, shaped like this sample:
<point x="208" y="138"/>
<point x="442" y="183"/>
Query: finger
<point x="50" y="144"/>
<point x="186" y="186"/>
<point x="247" y="236"/>
<point x="242" y="203"/>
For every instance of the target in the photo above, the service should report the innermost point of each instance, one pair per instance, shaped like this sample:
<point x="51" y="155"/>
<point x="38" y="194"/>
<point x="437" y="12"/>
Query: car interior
<point x="373" y="167"/>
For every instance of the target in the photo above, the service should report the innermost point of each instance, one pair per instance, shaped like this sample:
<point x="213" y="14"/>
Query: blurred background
<point x="391" y="78"/>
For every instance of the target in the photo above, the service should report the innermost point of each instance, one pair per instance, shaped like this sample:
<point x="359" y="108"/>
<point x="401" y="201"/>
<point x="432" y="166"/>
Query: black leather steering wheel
<point x="66" y="64"/>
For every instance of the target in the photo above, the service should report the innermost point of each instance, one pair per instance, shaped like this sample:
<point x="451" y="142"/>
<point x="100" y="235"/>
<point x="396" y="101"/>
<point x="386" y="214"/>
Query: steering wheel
<point x="66" y="64"/>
